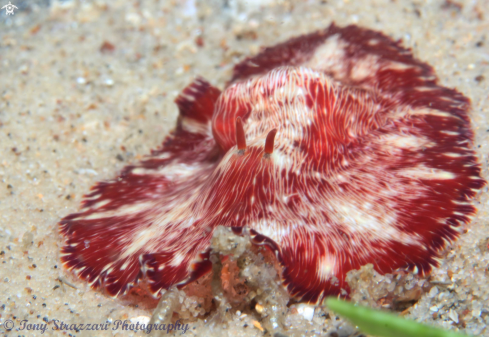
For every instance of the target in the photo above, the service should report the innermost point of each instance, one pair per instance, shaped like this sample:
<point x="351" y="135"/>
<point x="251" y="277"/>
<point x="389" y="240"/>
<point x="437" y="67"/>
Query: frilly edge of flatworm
<point x="352" y="154"/>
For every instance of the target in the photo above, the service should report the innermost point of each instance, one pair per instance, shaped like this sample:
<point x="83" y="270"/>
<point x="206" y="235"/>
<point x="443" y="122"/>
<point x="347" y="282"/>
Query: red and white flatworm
<point x="335" y="149"/>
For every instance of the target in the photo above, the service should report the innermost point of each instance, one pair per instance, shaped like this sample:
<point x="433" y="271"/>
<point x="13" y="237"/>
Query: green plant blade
<point x="378" y="323"/>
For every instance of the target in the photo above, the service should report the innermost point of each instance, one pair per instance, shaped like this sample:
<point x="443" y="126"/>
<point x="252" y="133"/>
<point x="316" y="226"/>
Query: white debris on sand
<point x="248" y="297"/>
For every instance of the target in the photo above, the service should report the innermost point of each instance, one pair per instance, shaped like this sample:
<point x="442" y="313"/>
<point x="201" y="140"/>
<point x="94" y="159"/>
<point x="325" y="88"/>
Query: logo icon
<point x="10" y="8"/>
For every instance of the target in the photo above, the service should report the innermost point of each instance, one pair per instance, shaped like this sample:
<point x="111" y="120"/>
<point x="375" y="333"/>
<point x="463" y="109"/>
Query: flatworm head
<point x="335" y="149"/>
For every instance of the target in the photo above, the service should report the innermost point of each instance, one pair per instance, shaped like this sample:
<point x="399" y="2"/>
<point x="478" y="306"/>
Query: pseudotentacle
<point x="335" y="149"/>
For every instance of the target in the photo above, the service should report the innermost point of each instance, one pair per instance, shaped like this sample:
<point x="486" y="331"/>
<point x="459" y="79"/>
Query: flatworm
<point x="334" y="149"/>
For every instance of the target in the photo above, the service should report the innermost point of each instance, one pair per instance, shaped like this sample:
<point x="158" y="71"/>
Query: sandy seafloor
<point x="71" y="115"/>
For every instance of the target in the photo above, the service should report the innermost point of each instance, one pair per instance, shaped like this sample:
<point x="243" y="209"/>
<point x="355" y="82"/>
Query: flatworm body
<point x="334" y="149"/>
